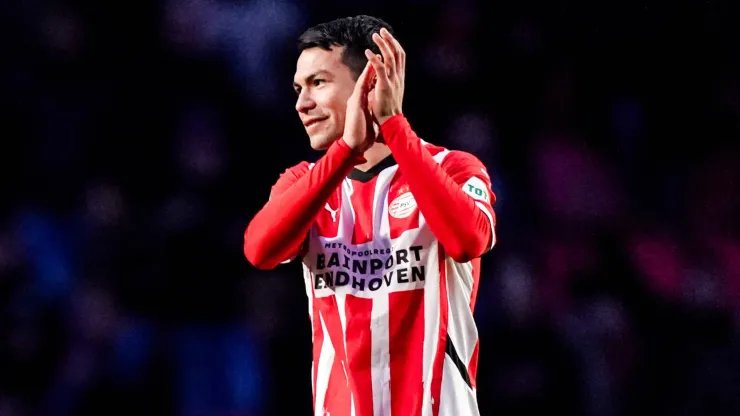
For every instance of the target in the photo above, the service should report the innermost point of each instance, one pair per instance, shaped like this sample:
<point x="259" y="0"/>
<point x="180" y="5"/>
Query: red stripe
<point x="476" y="280"/>
<point x="337" y="397"/>
<point x="439" y="356"/>
<point x="337" y="401"/>
<point x="318" y="342"/>
<point x="359" y="343"/>
<point x="326" y="224"/>
<point x="473" y="364"/>
<point x="400" y="220"/>
<point x="362" y="201"/>
<point x="406" y="351"/>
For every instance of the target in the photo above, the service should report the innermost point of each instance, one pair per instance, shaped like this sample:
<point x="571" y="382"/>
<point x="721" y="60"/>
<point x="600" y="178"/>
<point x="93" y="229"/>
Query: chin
<point x="321" y="142"/>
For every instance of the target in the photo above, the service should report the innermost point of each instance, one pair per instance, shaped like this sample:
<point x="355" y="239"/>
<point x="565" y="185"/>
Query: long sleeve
<point x="278" y="230"/>
<point x="455" y="196"/>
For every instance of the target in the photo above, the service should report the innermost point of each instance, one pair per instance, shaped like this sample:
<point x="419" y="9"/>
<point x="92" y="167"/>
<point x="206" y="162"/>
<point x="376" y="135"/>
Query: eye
<point x="318" y="81"/>
<point x="297" y="90"/>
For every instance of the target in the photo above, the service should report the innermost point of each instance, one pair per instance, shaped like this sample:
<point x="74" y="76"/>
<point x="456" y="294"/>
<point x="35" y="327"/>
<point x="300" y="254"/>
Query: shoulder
<point x="438" y="152"/>
<point x="456" y="160"/>
<point x="296" y="171"/>
<point x="461" y="160"/>
<point x="289" y="177"/>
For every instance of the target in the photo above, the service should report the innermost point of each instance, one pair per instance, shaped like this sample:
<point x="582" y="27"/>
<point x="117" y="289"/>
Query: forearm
<point x="279" y="228"/>
<point x="462" y="228"/>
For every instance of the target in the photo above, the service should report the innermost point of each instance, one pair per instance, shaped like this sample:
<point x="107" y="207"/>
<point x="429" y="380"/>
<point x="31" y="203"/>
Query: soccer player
<point x="389" y="228"/>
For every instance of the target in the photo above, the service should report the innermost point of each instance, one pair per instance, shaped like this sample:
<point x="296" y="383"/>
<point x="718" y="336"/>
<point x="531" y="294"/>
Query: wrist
<point x="383" y="119"/>
<point x="349" y="143"/>
<point x="392" y="126"/>
<point x="352" y="153"/>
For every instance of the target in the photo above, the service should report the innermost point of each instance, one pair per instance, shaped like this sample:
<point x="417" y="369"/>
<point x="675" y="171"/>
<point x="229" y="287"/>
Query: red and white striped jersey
<point x="392" y="313"/>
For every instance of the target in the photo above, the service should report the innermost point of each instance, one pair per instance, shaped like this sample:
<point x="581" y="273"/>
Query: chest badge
<point x="402" y="206"/>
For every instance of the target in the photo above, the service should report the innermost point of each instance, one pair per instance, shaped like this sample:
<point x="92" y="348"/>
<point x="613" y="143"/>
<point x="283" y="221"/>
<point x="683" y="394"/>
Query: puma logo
<point x="333" y="212"/>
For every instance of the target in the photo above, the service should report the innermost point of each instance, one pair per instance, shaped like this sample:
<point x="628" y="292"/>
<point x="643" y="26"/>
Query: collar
<point x="366" y="176"/>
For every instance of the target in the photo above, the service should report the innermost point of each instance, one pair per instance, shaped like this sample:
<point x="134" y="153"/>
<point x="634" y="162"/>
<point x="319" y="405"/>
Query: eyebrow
<point x="313" y="76"/>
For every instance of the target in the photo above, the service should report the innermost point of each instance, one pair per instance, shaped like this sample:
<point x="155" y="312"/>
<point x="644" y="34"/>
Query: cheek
<point x="335" y="106"/>
<point x="333" y="102"/>
<point x="339" y="111"/>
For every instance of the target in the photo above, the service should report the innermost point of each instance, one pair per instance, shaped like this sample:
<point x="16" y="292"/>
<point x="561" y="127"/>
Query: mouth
<point x="313" y="121"/>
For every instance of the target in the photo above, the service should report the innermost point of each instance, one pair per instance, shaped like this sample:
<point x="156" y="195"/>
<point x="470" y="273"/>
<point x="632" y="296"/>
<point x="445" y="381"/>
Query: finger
<point x="362" y="84"/>
<point x="379" y="68"/>
<point x="370" y="78"/>
<point x="398" y="52"/>
<point x="388" y="56"/>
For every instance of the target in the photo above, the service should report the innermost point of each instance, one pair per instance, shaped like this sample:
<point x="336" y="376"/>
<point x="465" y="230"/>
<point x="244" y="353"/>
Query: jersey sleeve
<point x="278" y="231"/>
<point x="471" y="174"/>
<point x="453" y="215"/>
<point x="288" y="179"/>
<point x="284" y="182"/>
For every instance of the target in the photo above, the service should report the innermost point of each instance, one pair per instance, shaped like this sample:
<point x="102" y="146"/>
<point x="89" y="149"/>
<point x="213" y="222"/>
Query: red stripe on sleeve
<point x="406" y="351"/>
<point x="280" y="227"/>
<point x="460" y="226"/>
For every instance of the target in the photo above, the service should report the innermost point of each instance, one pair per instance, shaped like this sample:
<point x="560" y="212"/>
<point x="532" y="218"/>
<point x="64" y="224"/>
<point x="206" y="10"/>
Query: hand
<point x="359" y="129"/>
<point x="387" y="93"/>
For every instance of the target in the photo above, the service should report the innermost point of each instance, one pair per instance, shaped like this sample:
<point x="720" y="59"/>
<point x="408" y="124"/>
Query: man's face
<point x="323" y="84"/>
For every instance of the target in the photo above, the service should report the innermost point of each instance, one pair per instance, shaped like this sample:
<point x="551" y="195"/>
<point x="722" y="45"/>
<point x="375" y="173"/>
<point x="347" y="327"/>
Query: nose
<point x="304" y="103"/>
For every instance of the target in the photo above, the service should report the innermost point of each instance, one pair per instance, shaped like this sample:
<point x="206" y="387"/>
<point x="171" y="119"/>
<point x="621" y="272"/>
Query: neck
<point x="373" y="155"/>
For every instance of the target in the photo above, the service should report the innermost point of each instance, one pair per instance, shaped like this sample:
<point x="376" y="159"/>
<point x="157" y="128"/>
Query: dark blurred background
<point x="139" y="138"/>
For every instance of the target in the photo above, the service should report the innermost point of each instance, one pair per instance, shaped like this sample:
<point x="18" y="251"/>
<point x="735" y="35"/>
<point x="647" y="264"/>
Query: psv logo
<point x="403" y="206"/>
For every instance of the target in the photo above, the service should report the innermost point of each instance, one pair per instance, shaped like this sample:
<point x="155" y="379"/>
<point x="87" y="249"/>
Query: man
<point x="389" y="229"/>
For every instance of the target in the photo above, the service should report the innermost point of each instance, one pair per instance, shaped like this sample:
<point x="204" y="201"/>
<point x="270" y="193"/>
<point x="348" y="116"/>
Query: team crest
<point x="403" y="206"/>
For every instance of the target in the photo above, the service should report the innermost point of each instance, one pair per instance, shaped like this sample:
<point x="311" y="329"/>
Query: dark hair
<point x="353" y="33"/>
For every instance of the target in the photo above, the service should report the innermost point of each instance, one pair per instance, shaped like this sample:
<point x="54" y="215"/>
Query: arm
<point x="279" y="229"/>
<point x="455" y="197"/>
<point x="463" y="225"/>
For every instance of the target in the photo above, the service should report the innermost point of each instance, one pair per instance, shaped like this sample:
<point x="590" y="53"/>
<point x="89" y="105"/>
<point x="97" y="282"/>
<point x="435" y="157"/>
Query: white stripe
<point x="340" y="298"/>
<point x="380" y="357"/>
<point x="347" y="226"/>
<point x="326" y="358"/>
<point x="379" y="324"/>
<point x="308" y="280"/>
<point x="309" y="293"/>
<point x="380" y="206"/>
<point x="432" y="314"/>
<point x="490" y="220"/>
<point x="460" y="323"/>
<point x="439" y="157"/>
<point x="462" y="272"/>
<point x="456" y="398"/>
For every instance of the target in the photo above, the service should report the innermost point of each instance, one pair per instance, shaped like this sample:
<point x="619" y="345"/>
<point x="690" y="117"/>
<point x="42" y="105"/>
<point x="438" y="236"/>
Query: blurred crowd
<point x="140" y="139"/>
